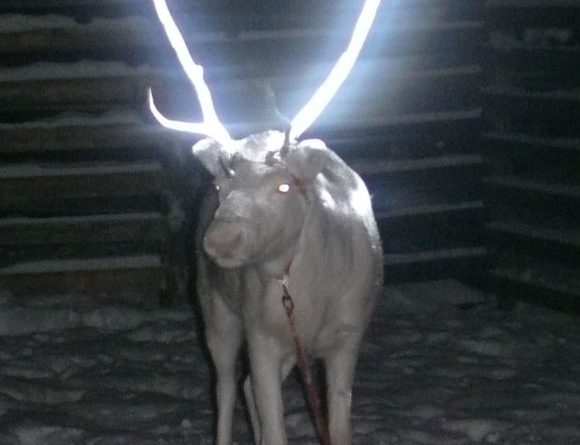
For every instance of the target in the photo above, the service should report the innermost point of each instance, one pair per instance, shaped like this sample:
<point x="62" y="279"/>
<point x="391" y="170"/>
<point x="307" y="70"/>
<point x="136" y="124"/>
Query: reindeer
<point x="290" y="258"/>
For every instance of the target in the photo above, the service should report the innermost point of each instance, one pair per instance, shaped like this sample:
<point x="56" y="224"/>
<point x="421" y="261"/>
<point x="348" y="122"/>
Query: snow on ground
<point x="440" y="365"/>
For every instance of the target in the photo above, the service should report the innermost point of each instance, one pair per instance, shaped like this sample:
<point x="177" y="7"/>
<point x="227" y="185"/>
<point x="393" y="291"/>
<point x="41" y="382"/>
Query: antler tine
<point x="322" y="97"/>
<point x="188" y="127"/>
<point x="211" y="125"/>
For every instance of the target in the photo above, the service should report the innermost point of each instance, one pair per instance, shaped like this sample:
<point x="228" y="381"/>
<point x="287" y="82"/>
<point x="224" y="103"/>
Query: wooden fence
<point x="532" y="106"/>
<point x="94" y="196"/>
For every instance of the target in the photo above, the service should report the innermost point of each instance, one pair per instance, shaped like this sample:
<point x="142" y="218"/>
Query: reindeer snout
<point x="226" y="243"/>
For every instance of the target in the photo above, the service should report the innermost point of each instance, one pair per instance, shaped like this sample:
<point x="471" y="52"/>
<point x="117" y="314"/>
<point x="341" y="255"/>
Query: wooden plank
<point x="434" y="264"/>
<point x="533" y="4"/>
<point x="563" y="62"/>
<point x="130" y="227"/>
<point x="431" y="226"/>
<point x="521" y="109"/>
<point x="515" y="144"/>
<point x="540" y="14"/>
<point x="50" y="183"/>
<point x="419" y="190"/>
<point x="535" y="242"/>
<point x="369" y="167"/>
<point x="530" y="186"/>
<point x="534" y="156"/>
<point x="429" y="139"/>
<point x="403" y="214"/>
<point x="436" y="123"/>
<point x="92" y="134"/>
<point x="81" y="206"/>
<point x="140" y="277"/>
<point x="420" y="182"/>
<point x="95" y="134"/>
<point x="117" y="37"/>
<point x="545" y="204"/>
<point x="32" y="5"/>
<point x="86" y="94"/>
<point x="512" y="287"/>
<point x="433" y="89"/>
<point x="413" y="238"/>
<point x="302" y="9"/>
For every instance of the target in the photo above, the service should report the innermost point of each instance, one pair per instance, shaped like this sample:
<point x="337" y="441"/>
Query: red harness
<point x="312" y="394"/>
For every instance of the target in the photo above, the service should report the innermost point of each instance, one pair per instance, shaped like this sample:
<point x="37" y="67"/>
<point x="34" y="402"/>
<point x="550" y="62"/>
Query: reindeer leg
<point x="340" y="366"/>
<point x="224" y="338"/>
<point x="252" y="410"/>
<point x="266" y="377"/>
<point x="287" y="366"/>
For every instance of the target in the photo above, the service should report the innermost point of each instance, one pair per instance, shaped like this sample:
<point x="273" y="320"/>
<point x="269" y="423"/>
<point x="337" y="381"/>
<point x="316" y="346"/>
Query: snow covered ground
<point x="434" y="369"/>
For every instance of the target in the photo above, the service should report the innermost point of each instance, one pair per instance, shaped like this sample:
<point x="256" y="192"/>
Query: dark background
<point x="461" y="115"/>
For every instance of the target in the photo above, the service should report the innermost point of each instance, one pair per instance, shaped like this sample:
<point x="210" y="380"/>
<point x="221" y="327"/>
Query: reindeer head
<point x="265" y="180"/>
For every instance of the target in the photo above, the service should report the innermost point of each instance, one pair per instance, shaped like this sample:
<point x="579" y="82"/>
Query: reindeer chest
<point x="266" y="314"/>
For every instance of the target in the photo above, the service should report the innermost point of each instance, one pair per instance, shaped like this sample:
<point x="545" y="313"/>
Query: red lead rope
<point x="311" y="391"/>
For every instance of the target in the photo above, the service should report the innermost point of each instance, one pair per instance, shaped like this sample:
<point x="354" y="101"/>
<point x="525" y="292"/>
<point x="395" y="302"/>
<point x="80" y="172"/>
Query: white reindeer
<point x="287" y="215"/>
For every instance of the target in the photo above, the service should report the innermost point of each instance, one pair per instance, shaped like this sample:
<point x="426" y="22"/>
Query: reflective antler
<point x="322" y="97"/>
<point x="211" y="125"/>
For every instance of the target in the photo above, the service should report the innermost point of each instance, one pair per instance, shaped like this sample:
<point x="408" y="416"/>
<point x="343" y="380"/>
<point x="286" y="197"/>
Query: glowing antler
<point x="321" y="98"/>
<point x="211" y="125"/>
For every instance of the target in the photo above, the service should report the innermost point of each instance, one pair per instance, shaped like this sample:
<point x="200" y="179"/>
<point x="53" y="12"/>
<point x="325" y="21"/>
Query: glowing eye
<point x="217" y="187"/>
<point x="284" y="188"/>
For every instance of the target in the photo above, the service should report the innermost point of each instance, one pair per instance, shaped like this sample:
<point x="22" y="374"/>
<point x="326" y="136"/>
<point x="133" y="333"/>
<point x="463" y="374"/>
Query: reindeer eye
<point x="284" y="188"/>
<point x="217" y="187"/>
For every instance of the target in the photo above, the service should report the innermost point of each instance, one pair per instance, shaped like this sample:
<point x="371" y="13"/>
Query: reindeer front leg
<point x="287" y="366"/>
<point x="340" y="366"/>
<point x="224" y="338"/>
<point x="266" y="378"/>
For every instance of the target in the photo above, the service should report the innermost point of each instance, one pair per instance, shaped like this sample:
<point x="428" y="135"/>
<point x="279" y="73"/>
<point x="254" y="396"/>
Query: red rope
<point x="311" y="391"/>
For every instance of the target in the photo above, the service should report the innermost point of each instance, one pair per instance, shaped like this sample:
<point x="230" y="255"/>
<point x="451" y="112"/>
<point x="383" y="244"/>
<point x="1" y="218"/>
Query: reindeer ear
<point x="308" y="159"/>
<point x="212" y="155"/>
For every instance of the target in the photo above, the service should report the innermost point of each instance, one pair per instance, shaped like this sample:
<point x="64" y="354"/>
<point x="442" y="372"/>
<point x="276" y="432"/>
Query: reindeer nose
<point x="224" y="241"/>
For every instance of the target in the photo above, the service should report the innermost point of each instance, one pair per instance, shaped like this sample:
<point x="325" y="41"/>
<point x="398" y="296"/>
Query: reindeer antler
<point x="211" y="125"/>
<point x="322" y="97"/>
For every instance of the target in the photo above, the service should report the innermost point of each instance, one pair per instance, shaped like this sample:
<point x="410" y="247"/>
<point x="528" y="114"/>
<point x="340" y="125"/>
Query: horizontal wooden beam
<point x="534" y="187"/>
<point x="540" y="14"/>
<point x="40" y="183"/>
<point x="74" y="94"/>
<point x="86" y="134"/>
<point x="434" y="264"/>
<point x="535" y="241"/>
<point x="431" y="210"/>
<point x="431" y="226"/>
<point x="385" y="167"/>
<point x="532" y="202"/>
<point x="511" y="287"/>
<point x="143" y="39"/>
<point x="130" y="227"/>
<point x="137" y="277"/>
<point x="93" y="134"/>
<point x="530" y="4"/>
<point x="296" y="8"/>
<point x="562" y="62"/>
<point x="513" y="144"/>
<point x="433" y="89"/>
